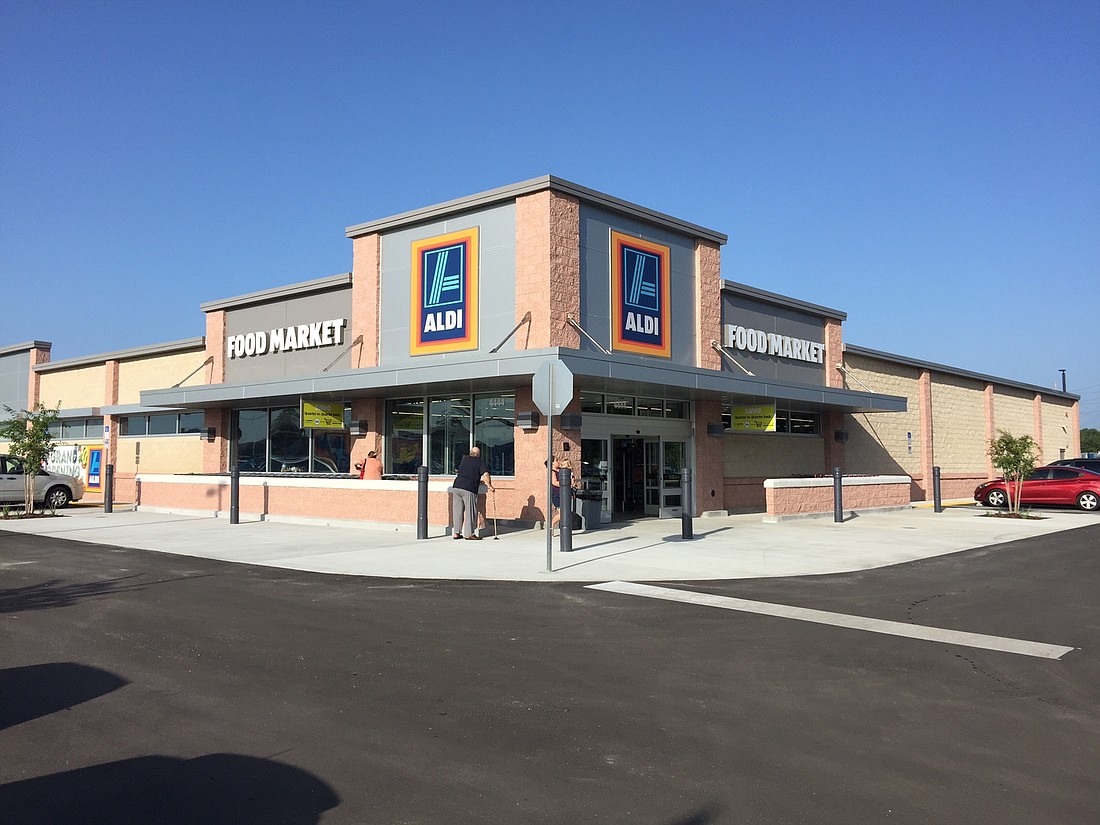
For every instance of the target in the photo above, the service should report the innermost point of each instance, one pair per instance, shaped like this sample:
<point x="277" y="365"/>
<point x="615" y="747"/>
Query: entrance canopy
<point x="593" y="371"/>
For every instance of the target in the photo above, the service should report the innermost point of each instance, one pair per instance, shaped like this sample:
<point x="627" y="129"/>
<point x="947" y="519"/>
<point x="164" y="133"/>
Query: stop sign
<point x="552" y="380"/>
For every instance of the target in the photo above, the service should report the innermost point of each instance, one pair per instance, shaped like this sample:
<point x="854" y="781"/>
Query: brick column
<point x="38" y="355"/>
<point x="834" y="450"/>
<point x="709" y="477"/>
<point x="834" y="353"/>
<point x="366" y="287"/>
<point x="215" y="454"/>
<point x="927" y="436"/>
<point x="373" y="411"/>
<point x="990" y="428"/>
<point x="1075" y="429"/>
<point x="548" y="255"/>
<point x="1037" y="424"/>
<point x="708" y="304"/>
<point x="110" y="398"/>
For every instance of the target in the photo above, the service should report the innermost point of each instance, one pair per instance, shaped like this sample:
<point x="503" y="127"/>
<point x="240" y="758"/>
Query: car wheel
<point x="1088" y="501"/>
<point x="58" y="497"/>
<point x="996" y="498"/>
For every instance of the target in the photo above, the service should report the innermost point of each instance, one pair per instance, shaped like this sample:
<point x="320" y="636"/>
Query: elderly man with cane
<point x="472" y="472"/>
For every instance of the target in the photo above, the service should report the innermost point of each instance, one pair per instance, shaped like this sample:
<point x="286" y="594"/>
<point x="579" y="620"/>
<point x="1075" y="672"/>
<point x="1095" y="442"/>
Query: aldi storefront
<point x="430" y="346"/>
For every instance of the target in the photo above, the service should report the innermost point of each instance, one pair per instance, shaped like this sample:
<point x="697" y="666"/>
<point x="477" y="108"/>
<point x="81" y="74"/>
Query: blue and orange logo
<point x="640" y="288"/>
<point x="444" y="293"/>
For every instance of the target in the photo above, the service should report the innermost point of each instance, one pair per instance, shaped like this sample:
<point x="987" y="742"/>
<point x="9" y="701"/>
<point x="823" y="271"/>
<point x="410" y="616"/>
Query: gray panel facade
<point x="771" y="318"/>
<point x="496" y="284"/>
<point x="15" y="371"/>
<point x="278" y="314"/>
<point x="595" y="240"/>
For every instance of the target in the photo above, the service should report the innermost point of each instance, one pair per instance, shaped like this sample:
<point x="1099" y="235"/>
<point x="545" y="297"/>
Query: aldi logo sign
<point x="444" y="293"/>
<point x="640" y="279"/>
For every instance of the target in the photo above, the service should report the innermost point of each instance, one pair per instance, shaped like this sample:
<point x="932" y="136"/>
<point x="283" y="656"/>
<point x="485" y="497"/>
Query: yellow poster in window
<point x="758" y="419"/>
<point x="322" y="415"/>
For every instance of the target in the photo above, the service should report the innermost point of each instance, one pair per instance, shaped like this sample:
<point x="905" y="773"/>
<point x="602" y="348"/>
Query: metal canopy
<point x="593" y="372"/>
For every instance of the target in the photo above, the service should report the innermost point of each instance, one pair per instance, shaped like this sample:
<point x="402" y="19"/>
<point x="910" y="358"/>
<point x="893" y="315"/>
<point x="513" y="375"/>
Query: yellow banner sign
<point x="322" y="415"/>
<point x="759" y="419"/>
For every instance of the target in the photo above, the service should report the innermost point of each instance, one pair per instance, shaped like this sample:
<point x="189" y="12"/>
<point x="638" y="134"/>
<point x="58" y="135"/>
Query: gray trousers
<point x="463" y="512"/>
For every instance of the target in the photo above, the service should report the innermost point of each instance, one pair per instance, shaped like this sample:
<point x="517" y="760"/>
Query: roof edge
<point x="288" y="291"/>
<point x="931" y="365"/>
<point x="527" y="187"/>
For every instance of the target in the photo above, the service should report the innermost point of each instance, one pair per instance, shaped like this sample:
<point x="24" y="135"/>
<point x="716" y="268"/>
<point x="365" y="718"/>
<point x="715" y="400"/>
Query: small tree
<point x="29" y="434"/>
<point x="1016" y="458"/>
<point x="1090" y="440"/>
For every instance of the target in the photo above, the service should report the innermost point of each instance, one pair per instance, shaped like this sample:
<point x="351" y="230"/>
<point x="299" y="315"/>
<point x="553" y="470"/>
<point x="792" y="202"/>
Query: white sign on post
<point x="552" y="387"/>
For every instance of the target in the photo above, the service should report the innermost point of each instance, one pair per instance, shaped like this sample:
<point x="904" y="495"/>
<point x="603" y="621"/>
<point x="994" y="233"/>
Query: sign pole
<point x="549" y="481"/>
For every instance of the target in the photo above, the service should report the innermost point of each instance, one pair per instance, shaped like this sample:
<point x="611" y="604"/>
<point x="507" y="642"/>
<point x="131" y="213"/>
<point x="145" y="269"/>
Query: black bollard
<point x="422" y="503"/>
<point x="938" y="501"/>
<point x="235" y="494"/>
<point x="838" y="496"/>
<point x="109" y="490"/>
<point x="686" y="506"/>
<point x="565" y="513"/>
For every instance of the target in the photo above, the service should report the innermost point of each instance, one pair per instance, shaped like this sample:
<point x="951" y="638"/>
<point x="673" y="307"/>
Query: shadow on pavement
<point x="39" y="690"/>
<point x="216" y="789"/>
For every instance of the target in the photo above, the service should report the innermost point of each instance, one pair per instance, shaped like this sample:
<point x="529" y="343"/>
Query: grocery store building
<point x="440" y="338"/>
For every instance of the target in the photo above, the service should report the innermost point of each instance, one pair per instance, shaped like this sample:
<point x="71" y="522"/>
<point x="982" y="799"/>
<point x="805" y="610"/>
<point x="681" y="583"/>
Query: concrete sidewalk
<point x="731" y="547"/>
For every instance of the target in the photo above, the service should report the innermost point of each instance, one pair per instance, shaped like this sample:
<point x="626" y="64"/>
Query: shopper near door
<point x="472" y="473"/>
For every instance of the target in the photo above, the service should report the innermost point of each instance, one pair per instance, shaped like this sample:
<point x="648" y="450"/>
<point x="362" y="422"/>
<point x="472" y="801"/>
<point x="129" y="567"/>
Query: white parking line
<point x="802" y="614"/>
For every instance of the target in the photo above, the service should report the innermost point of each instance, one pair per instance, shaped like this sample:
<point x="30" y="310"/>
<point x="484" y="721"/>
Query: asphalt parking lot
<point x="146" y="687"/>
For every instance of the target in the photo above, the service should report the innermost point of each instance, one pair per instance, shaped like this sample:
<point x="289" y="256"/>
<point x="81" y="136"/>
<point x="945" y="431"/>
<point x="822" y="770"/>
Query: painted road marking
<point x="803" y="614"/>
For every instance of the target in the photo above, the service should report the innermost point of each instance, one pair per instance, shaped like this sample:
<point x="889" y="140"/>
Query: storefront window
<point x="289" y="442"/>
<point x="162" y="424"/>
<point x="620" y="404"/>
<point x="450" y="427"/>
<point x="331" y="452"/>
<point x="191" y="422"/>
<point x="676" y="409"/>
<point x="405" y="436"/>
<point x="591" y="402"/>
<point x="252" y="440"/>
<point x="494" y="432"/>
<point x="448" y="434"/>
<point x="650" y="407"/>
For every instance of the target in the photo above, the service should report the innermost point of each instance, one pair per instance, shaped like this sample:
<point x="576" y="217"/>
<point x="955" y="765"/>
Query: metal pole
<point x="422" y="502"/>
<point x="235" y="494"/>
<point x="109" y="490"/>
<point x="565" y="483"/>
<point x="550" y="470"/>
<point x="686" y="506"/>
<point x="838" y="496"/>
<point x="938" y="502"/>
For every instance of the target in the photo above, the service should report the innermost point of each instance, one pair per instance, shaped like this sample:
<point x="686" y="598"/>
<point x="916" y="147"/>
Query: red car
<point x="1047" y="485"/>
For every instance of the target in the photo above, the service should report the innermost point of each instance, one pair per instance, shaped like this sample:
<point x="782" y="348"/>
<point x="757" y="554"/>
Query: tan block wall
<point x="179" y="454"/>
<point x="958" y="410"/>
<point x="770" y="456"/>
<point x="158" y="372"/>
<point x="1013" y="411"/>
<point x="1059" y="432"/>
<point x="877" y="442"/>
<point x="78" y="387"/>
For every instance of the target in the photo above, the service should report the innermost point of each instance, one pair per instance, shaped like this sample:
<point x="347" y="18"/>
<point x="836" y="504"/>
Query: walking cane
<point x="496" y="533"/>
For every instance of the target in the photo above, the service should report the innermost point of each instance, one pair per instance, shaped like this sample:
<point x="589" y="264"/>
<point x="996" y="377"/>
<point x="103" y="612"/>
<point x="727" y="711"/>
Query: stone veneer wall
<point x="1013" y="411"/>
<point x="1059" y="432"/>
<point x="879" y="442"/>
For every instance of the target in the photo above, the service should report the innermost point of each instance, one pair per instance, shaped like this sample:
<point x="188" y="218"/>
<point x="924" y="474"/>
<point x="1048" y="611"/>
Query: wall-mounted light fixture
<point x="358" y="427"/>
<point x="527" y="420"/>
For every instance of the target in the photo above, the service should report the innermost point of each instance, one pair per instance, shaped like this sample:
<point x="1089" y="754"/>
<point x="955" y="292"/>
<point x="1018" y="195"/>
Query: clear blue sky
<point x="932" y="169"/>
